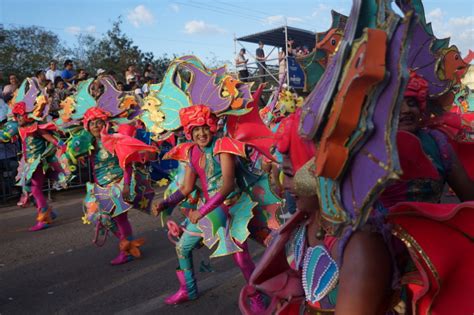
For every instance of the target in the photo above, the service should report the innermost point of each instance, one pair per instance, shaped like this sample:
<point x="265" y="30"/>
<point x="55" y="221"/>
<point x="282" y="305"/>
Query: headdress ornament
<point x="197" y="115"/>
<point x="94" y="113"/>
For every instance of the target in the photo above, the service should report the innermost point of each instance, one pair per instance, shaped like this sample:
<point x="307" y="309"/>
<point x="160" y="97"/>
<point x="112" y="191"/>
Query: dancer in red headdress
<point x="225" y="210"/>
<point x="115" y="189"/>
<point x="39" y="144"/>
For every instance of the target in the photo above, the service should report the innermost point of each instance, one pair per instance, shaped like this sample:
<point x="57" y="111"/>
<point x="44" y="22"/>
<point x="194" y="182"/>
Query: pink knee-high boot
<point x="244" y="261"/>
<point x="128" y="246"/>
<point x="45" y="215"/>
<point x="246" y="265"/>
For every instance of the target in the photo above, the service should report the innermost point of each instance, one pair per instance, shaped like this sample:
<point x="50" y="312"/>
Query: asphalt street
<point x="60" y="271"/>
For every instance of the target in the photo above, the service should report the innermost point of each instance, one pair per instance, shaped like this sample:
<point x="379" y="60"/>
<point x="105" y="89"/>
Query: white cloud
<point x="75" y="30"/>
<point x="281" y="19"/>
<point x="291" y="19"/>
<point x="322" y="9"/>
<point x="140" y="16"/>
<point x="176" y="8"/>
<point x="201" y="27"/>
<point x="435" y="14"/>
<point x="91" y="29"/>
<point x="459" y="29"/>
<point x="463" y="21"/>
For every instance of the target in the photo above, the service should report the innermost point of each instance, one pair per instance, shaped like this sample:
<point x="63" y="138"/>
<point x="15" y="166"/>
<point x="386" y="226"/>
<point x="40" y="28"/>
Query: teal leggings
<point x="185" y="246"/>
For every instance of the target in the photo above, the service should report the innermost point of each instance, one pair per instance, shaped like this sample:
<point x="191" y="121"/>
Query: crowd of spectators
<point x="59" y="84"/>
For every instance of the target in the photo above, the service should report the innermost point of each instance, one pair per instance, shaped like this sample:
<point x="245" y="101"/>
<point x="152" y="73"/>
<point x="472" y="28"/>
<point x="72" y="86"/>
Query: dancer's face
<point x="21" y="120"/>
<point x="96" y="126"/>
<point x="410" y="115"/>
<point x="202" y="136"/>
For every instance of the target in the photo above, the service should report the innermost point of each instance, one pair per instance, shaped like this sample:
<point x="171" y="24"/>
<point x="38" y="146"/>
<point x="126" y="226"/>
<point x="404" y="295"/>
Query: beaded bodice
<point x="106" y="166"/>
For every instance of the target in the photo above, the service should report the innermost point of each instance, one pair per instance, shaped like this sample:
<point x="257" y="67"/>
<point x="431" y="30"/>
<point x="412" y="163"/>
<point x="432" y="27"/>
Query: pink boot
<point x="43" y="220"/>
<point x="187" y="288"/>
<point x="24" y="200"/>
<point x="38" y="226"/>
<point x="122" y="258"/>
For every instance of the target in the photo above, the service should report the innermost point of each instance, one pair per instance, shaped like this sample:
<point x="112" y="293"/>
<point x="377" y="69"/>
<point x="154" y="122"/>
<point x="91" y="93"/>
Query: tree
<point x="116" y="51"/>
<point x="24" y="50"/>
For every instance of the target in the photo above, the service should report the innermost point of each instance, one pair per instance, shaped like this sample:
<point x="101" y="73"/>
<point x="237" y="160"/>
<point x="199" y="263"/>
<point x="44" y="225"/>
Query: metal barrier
<point x="10" y="154"/>
<point x="8" y="169"/>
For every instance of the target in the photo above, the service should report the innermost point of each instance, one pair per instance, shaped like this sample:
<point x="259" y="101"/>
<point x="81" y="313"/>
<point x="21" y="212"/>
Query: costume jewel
<point x="320" y="273"/>
<point x="300" y="246"/>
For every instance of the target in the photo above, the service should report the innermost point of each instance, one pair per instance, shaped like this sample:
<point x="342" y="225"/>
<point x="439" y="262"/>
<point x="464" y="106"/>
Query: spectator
<point x="49" y="87"/>
<point x="9" y="89"/>
<point x="41" y="76"/>
<point x="53" y="71"/>
<point x="131" y="75"/>
<point x="291" y="47"/>
<point x="146" y="86"/>
<point x="50" y="93"/>
<point x="148" y="72"/>
<point x="81" y="76"/>
<point x="281" y="65"/>
<point x="96" y="88"/>
<point x="120" y="86"/>
<point x="61" y="91"/>
<point x="100" y="72"/>
<point x="260" y="54"/>
<point x="241" y="65"/>
<point x="133" y="86"/>
<point x="68" y="74"/>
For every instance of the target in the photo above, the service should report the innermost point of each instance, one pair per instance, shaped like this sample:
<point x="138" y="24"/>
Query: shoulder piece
<point x="413" y="160"/>
<point x="48" y="126"/>
<point x="181" y="152"/>
<point x="229" y="145"/>
<point x="128" y="149"/>
<point x="28" y="130"/>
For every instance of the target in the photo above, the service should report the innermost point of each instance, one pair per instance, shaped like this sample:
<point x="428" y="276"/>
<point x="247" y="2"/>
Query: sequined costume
<point x="39" y="147"/>
<point x="112" y="162"/>
<point x="230" y="219"/>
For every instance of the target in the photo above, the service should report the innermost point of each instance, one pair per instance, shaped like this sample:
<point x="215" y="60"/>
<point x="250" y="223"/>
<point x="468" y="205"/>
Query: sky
<point x="207" y="28"/>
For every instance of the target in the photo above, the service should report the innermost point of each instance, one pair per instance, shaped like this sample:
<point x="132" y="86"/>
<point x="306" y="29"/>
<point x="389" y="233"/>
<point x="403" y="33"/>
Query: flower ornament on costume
<point x="197" y="115"/>
<point x="94" y="113"/>
<point x="417" y="88"/>
<point x="19" y="109"/>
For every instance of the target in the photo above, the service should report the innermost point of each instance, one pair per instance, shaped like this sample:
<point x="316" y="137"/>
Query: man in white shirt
<point x="53" y="71"/>
<point x="241" y="65"/>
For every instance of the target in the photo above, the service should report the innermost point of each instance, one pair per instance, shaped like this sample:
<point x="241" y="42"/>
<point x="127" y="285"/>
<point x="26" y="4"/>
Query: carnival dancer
<point x="211" y="163"/>
<point x="115" y="189"/>
<point x="415" y="143"/>
<point x="289" y="272"/>
<point x="419" y="220"/>
<point x="39" y="145"/>
<point x="427" y="162"/>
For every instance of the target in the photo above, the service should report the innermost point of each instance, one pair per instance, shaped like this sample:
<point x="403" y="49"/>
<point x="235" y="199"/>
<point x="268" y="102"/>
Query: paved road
<point x="59" y="270"/>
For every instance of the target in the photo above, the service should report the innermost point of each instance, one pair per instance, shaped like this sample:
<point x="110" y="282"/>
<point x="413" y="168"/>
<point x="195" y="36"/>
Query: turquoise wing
<point x="172" y="99"/>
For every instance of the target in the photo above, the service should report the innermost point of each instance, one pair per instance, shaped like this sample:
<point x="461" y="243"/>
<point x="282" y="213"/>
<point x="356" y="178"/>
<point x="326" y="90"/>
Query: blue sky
<point x="207" y="28"/>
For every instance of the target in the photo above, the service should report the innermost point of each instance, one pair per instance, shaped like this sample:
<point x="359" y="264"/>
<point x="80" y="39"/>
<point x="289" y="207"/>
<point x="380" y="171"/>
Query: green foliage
<point x="115" y="51"/>
<point x="24" y="50"/>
